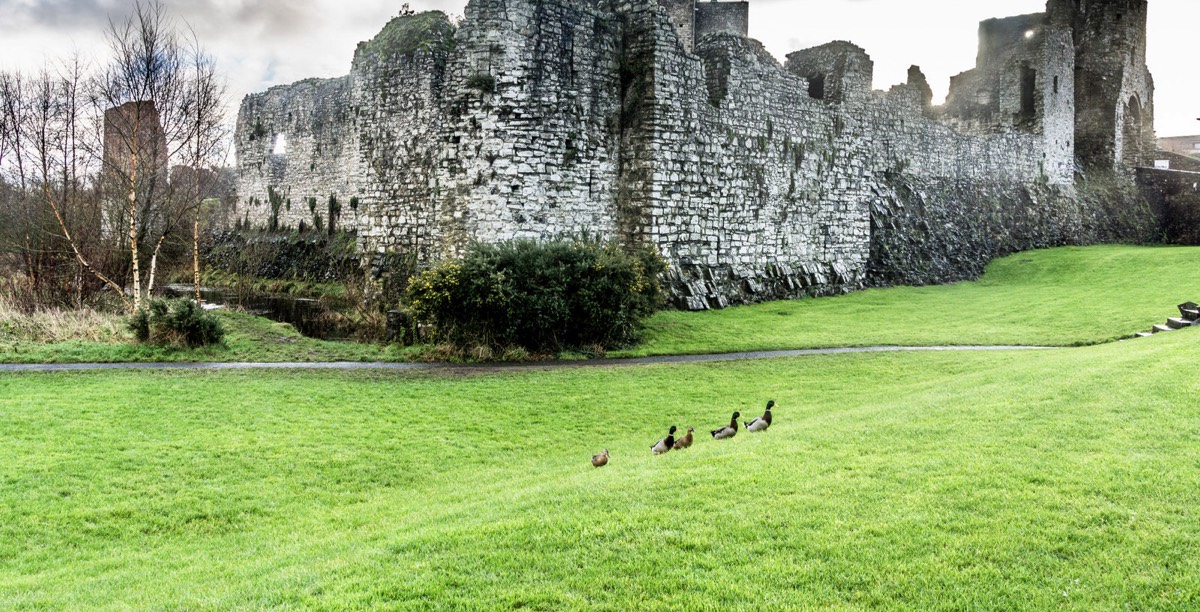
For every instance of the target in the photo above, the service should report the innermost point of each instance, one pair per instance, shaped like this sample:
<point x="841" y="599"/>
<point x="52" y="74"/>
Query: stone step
<point x="1161" y="328"/>
<point x="1177" y="323"/>
<point x="1190" y="314"/>
<point x="1144" y="334"/>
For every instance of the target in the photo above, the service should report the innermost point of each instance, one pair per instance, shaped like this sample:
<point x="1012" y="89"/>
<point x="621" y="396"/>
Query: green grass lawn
<point x="1030" y="480"/>
<point x="1055" y="297"/>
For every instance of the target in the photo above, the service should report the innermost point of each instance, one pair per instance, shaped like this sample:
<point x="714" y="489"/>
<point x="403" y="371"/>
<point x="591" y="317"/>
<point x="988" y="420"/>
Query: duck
<point x="686" y="440"/>
<point x="665" y="444"/>
<point x="600" y="460"/>
<point x="729" y="430"/>
<point x="762" y="422"/>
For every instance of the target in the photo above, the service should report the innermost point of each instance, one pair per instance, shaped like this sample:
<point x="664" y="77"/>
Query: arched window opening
<point x="816" y="86"/>
<point x="1028" y="95"/>
<point x="1132" y="153"/>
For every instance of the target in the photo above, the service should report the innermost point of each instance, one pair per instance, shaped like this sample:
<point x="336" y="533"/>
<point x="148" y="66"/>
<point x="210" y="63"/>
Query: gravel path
<point x="348" y="365"/>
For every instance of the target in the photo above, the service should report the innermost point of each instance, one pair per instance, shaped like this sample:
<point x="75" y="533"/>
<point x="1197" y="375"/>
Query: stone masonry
<point x="662" y="124"/>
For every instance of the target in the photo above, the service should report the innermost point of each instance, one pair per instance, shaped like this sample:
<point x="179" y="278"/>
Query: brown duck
<point x="686" y="440"/>
<point x="729" y="430"/>
<point x="600" y="460"/>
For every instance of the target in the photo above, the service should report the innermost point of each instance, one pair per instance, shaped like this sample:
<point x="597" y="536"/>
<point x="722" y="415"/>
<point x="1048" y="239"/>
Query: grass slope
<point x="248" y="339"/>
<point x="932" y="481"/>
<point x="1055" y="297"/>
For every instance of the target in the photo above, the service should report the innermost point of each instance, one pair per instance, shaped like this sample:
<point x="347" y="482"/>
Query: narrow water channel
<point x="307" y="315"/>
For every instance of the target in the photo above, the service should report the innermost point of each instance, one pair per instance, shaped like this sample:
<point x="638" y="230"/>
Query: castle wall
<point x="311" y="125"/>
<point x="512" y="137"/>
<point x="401" y="139"/>
<point x="538" y="155"/>
<point x="560" y="117"/>
<point x="762" y="191"/>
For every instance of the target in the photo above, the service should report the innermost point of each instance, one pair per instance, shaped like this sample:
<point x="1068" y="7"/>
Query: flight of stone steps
<point x="1189" y="315"/>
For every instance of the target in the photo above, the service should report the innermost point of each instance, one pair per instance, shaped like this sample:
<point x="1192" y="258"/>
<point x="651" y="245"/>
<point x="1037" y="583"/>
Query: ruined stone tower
<point x="134" y="130"/>
<point x="1023" y="80"/>
<point x="1114" y="96"/>
<point x="135" y="155"/>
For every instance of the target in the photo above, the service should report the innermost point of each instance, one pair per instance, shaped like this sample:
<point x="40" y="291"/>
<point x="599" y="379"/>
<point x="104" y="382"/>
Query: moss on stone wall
<point x="408" y="34"/>
<point x="291" y="256"/>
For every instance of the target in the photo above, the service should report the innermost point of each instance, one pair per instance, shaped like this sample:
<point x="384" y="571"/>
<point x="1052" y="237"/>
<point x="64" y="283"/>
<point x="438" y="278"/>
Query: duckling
<point x="762" y="422"/>
<point x="729" y="430"/>
<point x="600" y="460"/>
<point x="666" y="443"/>
<point x="686" y="440"/>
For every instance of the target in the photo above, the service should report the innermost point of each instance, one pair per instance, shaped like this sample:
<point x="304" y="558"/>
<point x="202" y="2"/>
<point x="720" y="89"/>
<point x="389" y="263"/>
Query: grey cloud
<point x="58" y="14"/>
<point x="267" y="18"/>
<point x="274" y="18"/>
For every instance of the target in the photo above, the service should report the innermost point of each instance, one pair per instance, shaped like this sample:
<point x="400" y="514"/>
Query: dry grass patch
<point x="54" y="325"/>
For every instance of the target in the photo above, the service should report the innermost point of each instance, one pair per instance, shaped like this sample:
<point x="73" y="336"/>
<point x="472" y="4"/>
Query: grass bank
<point x="248" y="338"/>
<point x="251" y="284"/>
<point x="1064" y="478"/>
<point x="1056" y="297"/>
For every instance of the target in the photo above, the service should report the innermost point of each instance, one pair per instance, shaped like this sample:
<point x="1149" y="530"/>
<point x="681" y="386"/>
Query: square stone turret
<point x="836" y="72"/>
<point x="696" y="19"/>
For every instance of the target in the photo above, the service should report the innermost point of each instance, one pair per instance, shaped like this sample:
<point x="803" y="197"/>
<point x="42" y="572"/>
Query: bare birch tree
<point x="204" y="107"/>
<point x="6" y="124"/>
<point x="98" y="178"/>
<point x="141" y="93"/>
<point x="51" y="130"/>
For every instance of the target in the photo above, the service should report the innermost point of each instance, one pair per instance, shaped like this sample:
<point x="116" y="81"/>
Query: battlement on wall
<point x="640" y="121"/>
<point x="836" y="72"/>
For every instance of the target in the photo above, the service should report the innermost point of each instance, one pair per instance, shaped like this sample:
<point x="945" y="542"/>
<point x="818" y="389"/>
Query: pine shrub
<point x="181" y="323"/>
<point x="541" y="296"/>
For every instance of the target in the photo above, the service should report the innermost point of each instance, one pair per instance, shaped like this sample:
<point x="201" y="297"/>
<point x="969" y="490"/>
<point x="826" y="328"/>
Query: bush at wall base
<point x="542" y="296"/>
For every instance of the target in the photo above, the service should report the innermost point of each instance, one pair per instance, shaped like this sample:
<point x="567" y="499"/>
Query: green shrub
<point x="543" y="297"/>
<point x="335" y="210"/>
<point x="276" y="199"/>
<point x="180" y="322"/>
<point x="483" y="82"/>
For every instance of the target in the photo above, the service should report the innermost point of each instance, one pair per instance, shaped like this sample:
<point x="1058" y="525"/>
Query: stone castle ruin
<point x="658" y="122"/>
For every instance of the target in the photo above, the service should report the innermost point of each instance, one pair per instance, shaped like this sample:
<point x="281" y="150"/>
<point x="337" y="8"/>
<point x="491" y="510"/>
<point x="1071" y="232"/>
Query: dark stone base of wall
<point x="701" y="287"/>
<point x="934" y="232"/>
<point x="1175" y="198"/>
<point x="931" y="232"/>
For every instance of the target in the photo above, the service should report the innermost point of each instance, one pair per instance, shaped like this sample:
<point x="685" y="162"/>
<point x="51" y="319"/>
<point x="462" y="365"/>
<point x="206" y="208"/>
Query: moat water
<point x="307" y="315"/>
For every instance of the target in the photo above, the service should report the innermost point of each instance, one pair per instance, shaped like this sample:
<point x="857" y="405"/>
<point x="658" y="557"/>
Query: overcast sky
<point x="260" y="43"/>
